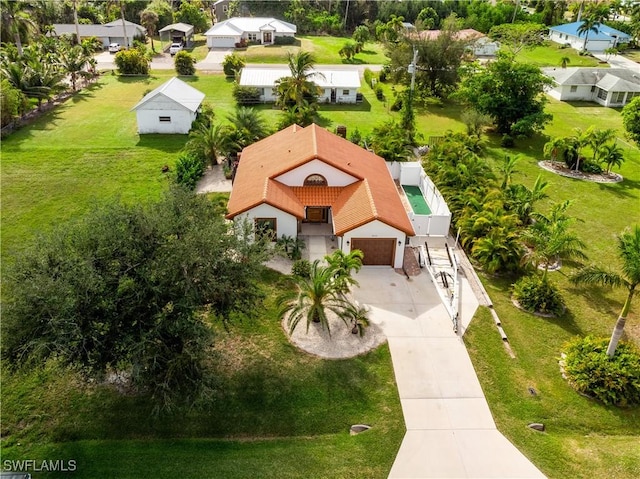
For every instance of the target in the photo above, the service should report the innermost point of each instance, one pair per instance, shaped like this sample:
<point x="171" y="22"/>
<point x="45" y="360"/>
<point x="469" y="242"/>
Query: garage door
<point x="223" y="42"/>
<point x="377" y="251"/>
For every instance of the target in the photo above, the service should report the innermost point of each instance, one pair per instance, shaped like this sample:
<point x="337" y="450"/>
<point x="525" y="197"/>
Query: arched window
<point x="315" y="180"/>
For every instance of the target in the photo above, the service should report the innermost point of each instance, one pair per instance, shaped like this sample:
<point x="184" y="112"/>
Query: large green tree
<point x="299" y="86"/>
<point x="123" y="288"/>
<point x="518" y="36"/>
<point x="628" y="278"/>
<point x="511" y="93"/>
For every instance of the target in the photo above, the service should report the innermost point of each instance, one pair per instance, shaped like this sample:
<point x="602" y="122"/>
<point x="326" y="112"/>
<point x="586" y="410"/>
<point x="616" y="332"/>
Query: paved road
<point x="618" y="61"/>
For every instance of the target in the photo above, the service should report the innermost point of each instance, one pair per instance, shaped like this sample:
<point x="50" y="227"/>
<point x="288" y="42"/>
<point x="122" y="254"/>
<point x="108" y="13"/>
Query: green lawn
<point x="325" y="50"/>
<point x="550" y="55"/>
<point x="88" y="150"/>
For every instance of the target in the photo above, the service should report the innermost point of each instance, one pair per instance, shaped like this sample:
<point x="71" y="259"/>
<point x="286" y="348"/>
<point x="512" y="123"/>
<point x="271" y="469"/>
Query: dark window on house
<point x="593" y="88"/>
<point x="602" y="94"/>
<point x="631" y="95"/>
<point x="165" y="119"/>
<point x="225" y="8"/>
<point x="266" y="227"/>
<point x="345" y="92"/>
<point x="252" y="37"/>
<point x="315" y="180"/>
<point x="574" y="88"/>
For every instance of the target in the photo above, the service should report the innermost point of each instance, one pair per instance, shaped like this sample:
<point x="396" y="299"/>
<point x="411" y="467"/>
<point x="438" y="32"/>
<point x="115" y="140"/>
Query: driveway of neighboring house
<point x="618" y="61"/>
<point x="214" y="59"/>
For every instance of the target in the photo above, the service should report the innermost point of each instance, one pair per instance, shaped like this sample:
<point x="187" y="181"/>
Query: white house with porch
<point x="170" y="108"/>
<point x="338" y="86"/>
<point x="611" y="87"/>
<point x="251" y="29"/>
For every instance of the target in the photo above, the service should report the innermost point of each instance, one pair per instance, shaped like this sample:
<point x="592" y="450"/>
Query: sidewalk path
<point x="450" y="430"/>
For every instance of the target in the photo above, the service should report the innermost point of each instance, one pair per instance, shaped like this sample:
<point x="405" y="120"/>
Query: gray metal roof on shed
<point x="265" y="77"/>
<point x="179" y="27"/>
<point x="178" y="91"/>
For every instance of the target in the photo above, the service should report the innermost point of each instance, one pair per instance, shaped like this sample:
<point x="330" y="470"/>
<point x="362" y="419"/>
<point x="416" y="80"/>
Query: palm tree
<point x="500" y="250"/>
<point x="508" y="168"/>
<point x="597" y="139"/>
<point x="612" y="155"/>
<point x="549" y="239"/>
<point x="74" y="60"/>
<point x="313" y="298"/>
<point x="149" y="20"/>
<point x="343" y="264"/>
<point x="629" y="253"/>
<point x="247" y="127"/>
<point x="298" y="87"/>
<point x="589" y="24"/>
<point x="211" y="140"/>
<point x="17" y="21"/>
<point x="521" y="199"/>
<point x="348" y="50"/>
<point x="564" y="61"/>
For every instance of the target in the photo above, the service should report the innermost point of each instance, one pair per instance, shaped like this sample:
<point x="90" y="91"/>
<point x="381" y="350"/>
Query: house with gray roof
<point x="112" y="32"/>
<point x="613" y="87"/>
<point x="262" y="30"/>
<point x="606" y="37"/>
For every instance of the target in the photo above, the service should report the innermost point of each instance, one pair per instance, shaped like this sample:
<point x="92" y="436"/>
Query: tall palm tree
<point x="549" y="239"/>
<point x="149" y="20"/>
<point x="298" y="87"/>
<point x="17" y="21"/>
<point x="564" y="61"/>
<point x="313" y="298"/>
<point x="589" y="24"/>
<point x="629" y="278"/>
<point x="211" y="140"/>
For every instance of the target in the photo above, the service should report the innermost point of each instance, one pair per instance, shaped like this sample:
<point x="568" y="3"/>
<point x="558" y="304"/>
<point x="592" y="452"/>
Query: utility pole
<point x="413" y="66"/>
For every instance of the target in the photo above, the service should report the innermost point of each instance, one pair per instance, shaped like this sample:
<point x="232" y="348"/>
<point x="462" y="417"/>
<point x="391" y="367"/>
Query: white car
<point x="175" y="48"/>
<point x="114" y="47"/>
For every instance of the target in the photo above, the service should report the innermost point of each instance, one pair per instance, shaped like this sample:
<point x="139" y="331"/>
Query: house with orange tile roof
<point x="309" y="176"/>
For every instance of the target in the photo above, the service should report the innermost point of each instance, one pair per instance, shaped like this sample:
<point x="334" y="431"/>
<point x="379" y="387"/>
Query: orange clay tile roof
<point x="373" y="194"/>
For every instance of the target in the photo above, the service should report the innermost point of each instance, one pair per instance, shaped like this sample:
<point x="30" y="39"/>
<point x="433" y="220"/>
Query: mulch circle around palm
<point x="341" y="344"/>
<point x="559" y="168"/>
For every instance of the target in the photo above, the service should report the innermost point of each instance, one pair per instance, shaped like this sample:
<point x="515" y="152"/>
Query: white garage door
<point x="223" y="42"/>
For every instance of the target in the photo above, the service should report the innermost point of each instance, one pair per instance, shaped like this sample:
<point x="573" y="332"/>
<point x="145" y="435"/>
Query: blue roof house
<point x="606" y="37"/>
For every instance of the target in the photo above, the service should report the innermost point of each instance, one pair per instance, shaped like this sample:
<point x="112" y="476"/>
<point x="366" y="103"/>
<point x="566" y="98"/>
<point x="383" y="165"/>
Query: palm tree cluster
<point x="325" y="291"/>
<point x="495" y="217"/>
<point x="297" y="93"/>
<point x="570" y="149"/>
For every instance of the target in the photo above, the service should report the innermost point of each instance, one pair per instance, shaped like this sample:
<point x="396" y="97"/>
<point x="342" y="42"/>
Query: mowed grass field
<point x="88" y="150"/>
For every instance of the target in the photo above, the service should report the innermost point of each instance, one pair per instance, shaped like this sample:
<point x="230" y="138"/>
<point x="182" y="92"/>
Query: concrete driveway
<point x="450" y="429"/>
<point x="214" y="59"/>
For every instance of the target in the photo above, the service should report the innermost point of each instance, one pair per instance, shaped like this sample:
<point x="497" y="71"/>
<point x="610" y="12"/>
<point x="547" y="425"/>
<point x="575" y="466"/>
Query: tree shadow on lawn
<point x="624" y="189"/>
<point x="166" y="143"/>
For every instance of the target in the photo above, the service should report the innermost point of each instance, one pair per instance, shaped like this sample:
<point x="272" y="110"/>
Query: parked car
<point x="175" y="48"/>
<point x="114" y="47"/>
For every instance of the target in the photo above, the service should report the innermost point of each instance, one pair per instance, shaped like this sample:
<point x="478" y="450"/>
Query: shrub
<point x="232" y="64"/>
<point x="384" y="73"/>
<point x="590" y="167"/>
<point x="246" y="95"/>
<point x="356" y="137"/>
<point x="189" y="169"/>
<point x="379" y="92"/>
<point x="368" y="76"/>
<point x="134" y="61"/>
<point x="613" y="381"/>
<point x="397" y="103"/>
<point x="284" y="40"/>
<point x="538" y="295"/>
<point x="302" y="268"/>
<point x="185" y="63"/>
<point x="507" y="141"/>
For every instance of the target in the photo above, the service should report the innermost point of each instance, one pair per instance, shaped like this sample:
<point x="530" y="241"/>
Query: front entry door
<point x="266" y="37"/>
<point x="317" y="215"/>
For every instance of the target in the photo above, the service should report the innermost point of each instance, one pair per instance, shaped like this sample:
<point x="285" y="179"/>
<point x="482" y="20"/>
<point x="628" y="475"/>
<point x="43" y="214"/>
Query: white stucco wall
<point x="577" y="42"/>
<point x="582" y="93"/>
<point x="334" y="176"/>
<point x="341" y="97"/>
<point x="286" y="224"/>
<point x="377" y="229"/>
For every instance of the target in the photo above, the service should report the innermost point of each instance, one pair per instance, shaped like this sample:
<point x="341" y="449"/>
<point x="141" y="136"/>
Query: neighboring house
<point x="251" y="29"/>
<point x="606" y="37"/>
<point x="480" y="44"/>
<point x="220" y="10"/>
<point x="170" y="108"/>
<point x="338" y="86"/>
<point x="177" y="33"/>
<point x="607" y="86"/>
<point x="112" y="32"/>
<point x="299" y="177"/>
